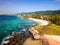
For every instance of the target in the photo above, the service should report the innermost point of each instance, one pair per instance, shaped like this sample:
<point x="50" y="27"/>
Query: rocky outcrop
<point x="34" y="33"/>
<point x="15" y="39"/>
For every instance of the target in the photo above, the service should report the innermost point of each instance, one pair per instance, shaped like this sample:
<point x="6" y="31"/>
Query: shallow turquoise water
<point x="9" y="24"/>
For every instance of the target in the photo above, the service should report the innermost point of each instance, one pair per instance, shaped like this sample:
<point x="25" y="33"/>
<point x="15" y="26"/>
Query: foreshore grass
<point x="51" y="29"/>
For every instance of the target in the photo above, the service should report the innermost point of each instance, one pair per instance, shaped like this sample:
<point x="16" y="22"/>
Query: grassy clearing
<point x="51" y="29"/>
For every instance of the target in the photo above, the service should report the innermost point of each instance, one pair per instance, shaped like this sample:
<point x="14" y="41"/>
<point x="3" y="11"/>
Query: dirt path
<point x="52" y="41"/>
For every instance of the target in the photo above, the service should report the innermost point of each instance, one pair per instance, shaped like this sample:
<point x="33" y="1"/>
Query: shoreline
<point x="9" y="36"/>
<point x="40" y="21"/>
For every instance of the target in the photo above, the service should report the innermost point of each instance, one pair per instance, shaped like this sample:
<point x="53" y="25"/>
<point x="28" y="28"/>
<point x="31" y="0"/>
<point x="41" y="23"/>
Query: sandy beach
<point x="40" y="21"/>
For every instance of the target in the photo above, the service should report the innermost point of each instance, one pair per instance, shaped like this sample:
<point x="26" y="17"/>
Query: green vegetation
<point x="51" y="29"/>
<point x="54" y="19"/>
<point x="53" y="16"/>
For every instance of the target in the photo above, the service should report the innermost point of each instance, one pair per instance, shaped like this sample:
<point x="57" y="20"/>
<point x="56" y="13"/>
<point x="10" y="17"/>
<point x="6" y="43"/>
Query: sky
<point x="18" y="6"/>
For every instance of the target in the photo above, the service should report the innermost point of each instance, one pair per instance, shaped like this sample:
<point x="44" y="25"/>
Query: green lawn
<point x="51" y="29"/>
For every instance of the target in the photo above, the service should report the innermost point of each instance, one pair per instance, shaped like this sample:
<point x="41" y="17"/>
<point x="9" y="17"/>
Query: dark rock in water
<point x="15" y="39"/>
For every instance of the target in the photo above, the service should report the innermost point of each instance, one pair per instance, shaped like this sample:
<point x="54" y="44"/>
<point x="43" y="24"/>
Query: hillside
<point x="41" y="12"/>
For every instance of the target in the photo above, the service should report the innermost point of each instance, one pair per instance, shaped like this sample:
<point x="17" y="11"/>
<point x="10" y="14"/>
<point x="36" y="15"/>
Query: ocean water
<point x="12" y="23"/>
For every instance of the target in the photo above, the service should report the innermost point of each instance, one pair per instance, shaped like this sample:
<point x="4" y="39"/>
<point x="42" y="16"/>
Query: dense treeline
<point x="54" y="19"/>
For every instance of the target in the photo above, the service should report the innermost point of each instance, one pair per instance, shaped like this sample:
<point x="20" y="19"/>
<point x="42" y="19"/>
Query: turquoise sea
<point x="12" y="23"/>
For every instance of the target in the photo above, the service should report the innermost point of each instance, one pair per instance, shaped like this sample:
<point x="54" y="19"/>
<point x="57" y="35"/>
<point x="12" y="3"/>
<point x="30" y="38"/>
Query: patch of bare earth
<point x="30" y="41"/>
<point x="51" y="41"/>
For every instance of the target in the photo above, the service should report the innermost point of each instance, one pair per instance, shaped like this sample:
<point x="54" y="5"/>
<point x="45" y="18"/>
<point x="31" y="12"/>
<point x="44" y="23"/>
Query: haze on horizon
<point x="18" y="6"/>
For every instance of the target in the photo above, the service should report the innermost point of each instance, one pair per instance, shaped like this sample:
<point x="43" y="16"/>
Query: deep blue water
<point x="9" y="24"/>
